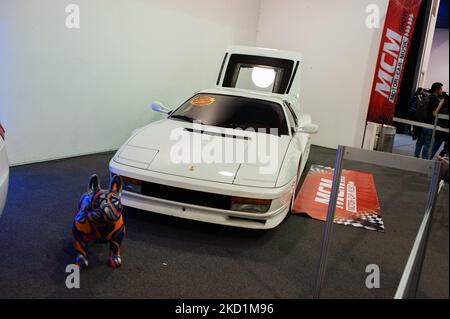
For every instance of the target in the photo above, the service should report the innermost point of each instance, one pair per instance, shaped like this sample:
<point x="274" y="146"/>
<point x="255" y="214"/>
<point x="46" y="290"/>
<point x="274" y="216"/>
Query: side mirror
<point x="308" y="129"/>
<point x="160" y="108"/>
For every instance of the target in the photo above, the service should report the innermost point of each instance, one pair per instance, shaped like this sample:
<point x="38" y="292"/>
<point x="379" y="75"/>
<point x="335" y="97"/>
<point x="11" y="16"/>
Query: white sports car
<point x="230" y="155"/>
<point x="4" y="170"/>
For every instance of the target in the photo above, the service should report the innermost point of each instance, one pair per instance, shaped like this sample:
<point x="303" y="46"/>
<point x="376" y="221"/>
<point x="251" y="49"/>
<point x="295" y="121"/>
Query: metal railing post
<point x="380" y="141"/>
<point x="329" y="221"/>
<point x="433" y="137"/>
<point x="409" y="282"/>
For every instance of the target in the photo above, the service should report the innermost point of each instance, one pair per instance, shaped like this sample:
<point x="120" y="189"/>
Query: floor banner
<point x="401" y="18"/>
<point x="357" y="203"/>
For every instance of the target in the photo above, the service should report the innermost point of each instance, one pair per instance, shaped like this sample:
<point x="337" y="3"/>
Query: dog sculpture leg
<point x="80" y="244"/>
<point x="115" y="242"/>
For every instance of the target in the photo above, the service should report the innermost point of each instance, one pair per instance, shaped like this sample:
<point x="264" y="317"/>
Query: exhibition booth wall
<point x="66" y="92"/>
<point x="438" y="66"/>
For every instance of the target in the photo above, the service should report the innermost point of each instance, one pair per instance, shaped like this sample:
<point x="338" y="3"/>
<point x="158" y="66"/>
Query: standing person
<point x="424" y="114"/>
<point x="418" y="96"/>
<point x="441" y="137"/>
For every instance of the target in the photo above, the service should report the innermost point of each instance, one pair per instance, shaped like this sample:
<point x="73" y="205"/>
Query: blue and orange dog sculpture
<point x="99" y="219"/>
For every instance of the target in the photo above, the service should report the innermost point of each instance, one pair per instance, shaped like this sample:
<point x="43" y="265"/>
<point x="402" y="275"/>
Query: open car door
<point x="259" y="69"/>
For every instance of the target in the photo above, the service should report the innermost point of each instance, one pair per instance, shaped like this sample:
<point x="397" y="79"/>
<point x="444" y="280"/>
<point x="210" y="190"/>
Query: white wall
<point x="69" y="92"/>
<point x="339" y="53"/>
<point x="439" y="60"/>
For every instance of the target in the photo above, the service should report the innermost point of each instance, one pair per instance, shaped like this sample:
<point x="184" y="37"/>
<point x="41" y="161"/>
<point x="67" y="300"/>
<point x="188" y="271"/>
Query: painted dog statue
<point x="99" y="219"/>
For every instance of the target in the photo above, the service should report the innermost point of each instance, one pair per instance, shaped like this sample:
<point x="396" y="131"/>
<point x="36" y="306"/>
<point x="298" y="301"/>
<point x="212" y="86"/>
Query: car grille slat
<point x="186" y="196"/>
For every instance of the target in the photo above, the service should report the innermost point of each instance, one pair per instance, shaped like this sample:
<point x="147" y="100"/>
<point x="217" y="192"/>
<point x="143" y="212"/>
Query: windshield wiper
<point x="185" y="118"/>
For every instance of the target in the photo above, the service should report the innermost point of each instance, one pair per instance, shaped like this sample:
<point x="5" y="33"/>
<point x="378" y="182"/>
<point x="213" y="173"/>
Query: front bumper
<point x="206" y="214"/>
<point x="277" y="212"/>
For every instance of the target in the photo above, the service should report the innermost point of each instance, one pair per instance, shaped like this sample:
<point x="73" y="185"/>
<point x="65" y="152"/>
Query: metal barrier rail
<point x="409" y="282"/>
<point x="433" y="127"/>
<point x="433" y="137"/>
<point x="420" y="124"/>
<point x="411" y="274"/>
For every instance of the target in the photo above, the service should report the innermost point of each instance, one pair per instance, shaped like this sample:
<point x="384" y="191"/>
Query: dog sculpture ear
<point x="94" y="184"/>
<point x="116" y="185"/>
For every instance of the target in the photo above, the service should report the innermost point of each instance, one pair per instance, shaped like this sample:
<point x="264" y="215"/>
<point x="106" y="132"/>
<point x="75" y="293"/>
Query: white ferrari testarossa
<point x="230" y="155"/>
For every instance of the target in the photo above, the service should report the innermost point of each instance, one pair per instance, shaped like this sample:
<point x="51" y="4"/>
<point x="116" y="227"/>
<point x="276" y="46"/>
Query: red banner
<point x="357" y="203"/>
<point x="399" y="26"/>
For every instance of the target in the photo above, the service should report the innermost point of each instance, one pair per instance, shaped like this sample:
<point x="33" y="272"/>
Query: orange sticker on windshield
<point x="203" y="101"/>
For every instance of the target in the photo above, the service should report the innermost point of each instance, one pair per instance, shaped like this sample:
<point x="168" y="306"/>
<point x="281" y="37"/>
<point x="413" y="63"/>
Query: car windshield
<point x="233" y="112"/>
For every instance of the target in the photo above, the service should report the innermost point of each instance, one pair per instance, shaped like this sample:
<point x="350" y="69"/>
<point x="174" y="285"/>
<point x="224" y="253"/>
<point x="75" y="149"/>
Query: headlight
<point x="250" y="205"/>
<point x="132" y="185"/>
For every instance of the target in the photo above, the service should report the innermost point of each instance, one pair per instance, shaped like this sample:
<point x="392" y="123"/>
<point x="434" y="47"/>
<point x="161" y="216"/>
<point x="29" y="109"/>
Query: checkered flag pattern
<point x="367" y="220"/>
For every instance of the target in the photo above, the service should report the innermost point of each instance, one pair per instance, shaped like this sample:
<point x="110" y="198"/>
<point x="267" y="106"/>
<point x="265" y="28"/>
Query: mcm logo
<point x="388" y="63"/>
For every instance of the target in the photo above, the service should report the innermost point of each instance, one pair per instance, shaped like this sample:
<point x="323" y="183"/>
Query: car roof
<point x="266" y="52"/>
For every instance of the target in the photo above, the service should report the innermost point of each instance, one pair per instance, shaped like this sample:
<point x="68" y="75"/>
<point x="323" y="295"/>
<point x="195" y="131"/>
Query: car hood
<point x="167" y="146"/>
